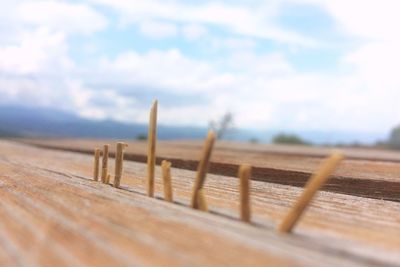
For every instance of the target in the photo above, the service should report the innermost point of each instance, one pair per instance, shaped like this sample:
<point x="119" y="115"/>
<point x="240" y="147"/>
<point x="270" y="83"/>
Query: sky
<point x="288" y="64"/>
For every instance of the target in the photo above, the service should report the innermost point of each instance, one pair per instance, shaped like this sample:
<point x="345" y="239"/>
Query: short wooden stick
<point x="316" y="181"/>
<point x="151" y="149"/>
<point x="104" y="167"/>
<point x="244" y="188"/>
<point x="119" y="160"/>
<point x="202" y="169"/>
<point x="166" y="172"/>
<point x="96" y="164"/>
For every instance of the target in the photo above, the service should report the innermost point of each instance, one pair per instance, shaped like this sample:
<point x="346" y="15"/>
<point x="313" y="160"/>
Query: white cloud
<point x="233" y="43"/>
<point x="255" y="88"/>
<point x="157" y="30"/>
<point x="61" y="16"/>
<point x="241" y="19"/>
<point x="168" y="70"/>
<point x="369" y="19"/>
<point x="263" y="89"/>
<point x="194" y="31"/>
<point x="37" y="51"/>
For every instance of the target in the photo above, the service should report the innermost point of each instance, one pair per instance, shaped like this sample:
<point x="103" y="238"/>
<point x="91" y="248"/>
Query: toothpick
<point x="202" y="170"/>
<point x="244" y="188"/>
<point x="104" y="167"/>
<point x="151" y="149"/>
<point x="313" y="185"/>
<point x="166" y="172"/>
<point x="201" y="200"/>
<point x="96" y="164"/>
<point x="119" y="160"/>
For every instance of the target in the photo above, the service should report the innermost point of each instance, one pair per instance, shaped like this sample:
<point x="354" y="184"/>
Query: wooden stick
<point x="119" y="160"/>
<point x="244" y="188"/>
<point x="316" y="181"/>
<point x="202" y="169"/>
<point x="151" y="149"/>
<point x="166" y="171"/>
<point x="96" y="164"/>
<point x="108" y="179"/>
<point x="104" y="167"/>
<point x="201" y="199"/>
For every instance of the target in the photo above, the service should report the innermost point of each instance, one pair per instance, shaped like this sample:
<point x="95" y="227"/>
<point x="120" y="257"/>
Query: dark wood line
<point x="385" y="190"/>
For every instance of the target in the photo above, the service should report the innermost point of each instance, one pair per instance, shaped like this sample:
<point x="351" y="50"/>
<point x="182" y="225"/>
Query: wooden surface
<point x="365" y="172"/>
<point x="53" y="213"/>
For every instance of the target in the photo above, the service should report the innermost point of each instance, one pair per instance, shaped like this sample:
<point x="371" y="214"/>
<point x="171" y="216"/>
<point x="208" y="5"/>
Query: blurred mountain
<point x="46" y="122"/>
<point x="4" y="133"/>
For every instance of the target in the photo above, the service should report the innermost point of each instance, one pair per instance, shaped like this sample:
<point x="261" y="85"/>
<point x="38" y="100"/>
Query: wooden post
<point x="151" y="149"/>
<point x="119" y="160"/>
<point x="244" y="188"/>
<point x="104" y="167"/>
<point x="166" y="171"/>
<point x="202" y="171"/>
<point x="313" y="185"/>
<point x="96" y="164"/>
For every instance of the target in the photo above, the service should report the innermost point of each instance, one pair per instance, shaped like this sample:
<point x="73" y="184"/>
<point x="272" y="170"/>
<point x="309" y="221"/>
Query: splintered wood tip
<point x="244" y="168"/>
<point x="122" y="144"/>
<point x="165" y="164"/>
<point x="211" y="135"/>
<point x="317" y="180"/>
<point x="337" y="155"/>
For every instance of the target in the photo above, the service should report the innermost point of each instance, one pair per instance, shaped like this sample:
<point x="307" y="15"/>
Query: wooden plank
<point x="336" y="230"/>
<point x="366" y="178"/>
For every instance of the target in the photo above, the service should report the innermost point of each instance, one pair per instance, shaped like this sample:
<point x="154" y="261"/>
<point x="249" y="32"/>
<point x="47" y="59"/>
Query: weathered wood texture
<point x="53" y="213"/>
<point x="365" y="172"/>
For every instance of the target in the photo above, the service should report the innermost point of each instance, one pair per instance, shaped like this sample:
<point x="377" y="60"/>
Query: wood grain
<point x="365" y="172"/>
<point x="54" y="213"/>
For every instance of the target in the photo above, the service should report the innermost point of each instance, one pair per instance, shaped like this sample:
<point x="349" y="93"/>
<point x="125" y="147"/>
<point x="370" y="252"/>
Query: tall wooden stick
<point x="96" y="164"/>
<point x="119" y="160"/>
<point x="166" y="171"/>
<point x="104" y="167"/>
<point x="244" y="188"/>
<point x="202" y="169"/>
<point x="151" y="149"/>
<point x="316" y="181"/>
